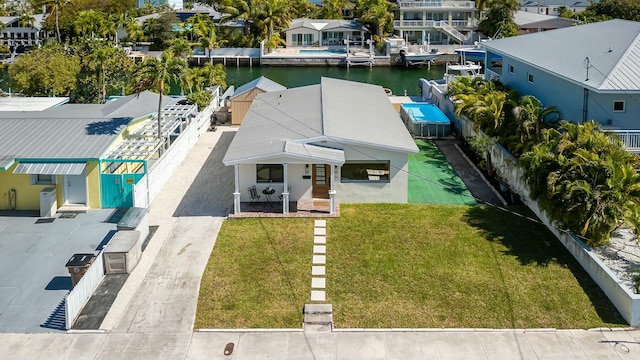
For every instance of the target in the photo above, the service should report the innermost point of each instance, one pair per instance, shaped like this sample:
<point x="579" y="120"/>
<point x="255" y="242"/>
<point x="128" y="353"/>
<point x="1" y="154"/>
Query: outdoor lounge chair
<point x="253" y="195"/>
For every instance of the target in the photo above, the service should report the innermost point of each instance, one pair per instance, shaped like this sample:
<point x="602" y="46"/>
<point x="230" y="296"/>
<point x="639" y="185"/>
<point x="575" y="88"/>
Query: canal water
<point x="398" y="79"/>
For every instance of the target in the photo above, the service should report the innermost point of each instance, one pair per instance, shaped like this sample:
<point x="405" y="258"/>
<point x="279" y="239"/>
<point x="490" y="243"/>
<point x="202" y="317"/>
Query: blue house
<point x="590" y="72"/>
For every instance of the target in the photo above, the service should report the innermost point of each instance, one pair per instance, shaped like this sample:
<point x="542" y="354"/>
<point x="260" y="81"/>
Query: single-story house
<point x="325" y="32"/>
<point x="531" y="22"/>
<point x="67" y="148"/>
<point x="243" y="97"/>
<point x="590" y="72"/>
<point x="338" y="140"/>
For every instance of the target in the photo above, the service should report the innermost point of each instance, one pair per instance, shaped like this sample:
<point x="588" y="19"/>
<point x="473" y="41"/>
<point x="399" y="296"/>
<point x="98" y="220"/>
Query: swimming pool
<point x="323" y="51"/>
<point x="425" y="120"/>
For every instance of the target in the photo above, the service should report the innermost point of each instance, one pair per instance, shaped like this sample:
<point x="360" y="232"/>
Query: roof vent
<point x="610" y="49"/>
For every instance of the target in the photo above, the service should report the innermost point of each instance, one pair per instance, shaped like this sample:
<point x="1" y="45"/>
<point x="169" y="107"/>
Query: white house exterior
<point x="590" y="72"/>
<point x="16" y="34"/>
<point x="338" y="140"/>
<point x="552" y="7"/>
<point x="436" y="21"/>
<point x="324" y="32"/>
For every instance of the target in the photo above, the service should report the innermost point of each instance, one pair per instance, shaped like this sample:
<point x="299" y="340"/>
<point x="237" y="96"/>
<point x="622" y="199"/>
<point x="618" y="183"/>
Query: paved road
<point x="153" y="315"/>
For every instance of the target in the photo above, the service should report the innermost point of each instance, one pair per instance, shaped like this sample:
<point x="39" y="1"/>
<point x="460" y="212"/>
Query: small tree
<point x="156" y="74"/>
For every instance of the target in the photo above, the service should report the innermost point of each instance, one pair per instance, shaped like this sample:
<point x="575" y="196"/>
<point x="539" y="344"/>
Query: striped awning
<point x="50" y="168"/>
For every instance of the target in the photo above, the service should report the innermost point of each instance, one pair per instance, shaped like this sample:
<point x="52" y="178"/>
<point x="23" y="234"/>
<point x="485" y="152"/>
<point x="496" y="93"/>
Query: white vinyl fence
<point x="627" y="303"/>
<point x="78" y="297"/>
<point x="141" y="193"/>
<point x="177" y="152"/>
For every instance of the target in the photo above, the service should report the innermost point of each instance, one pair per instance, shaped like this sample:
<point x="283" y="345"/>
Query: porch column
<point x="236" y="192"/>
<point x="332" y="192"/>
<point x="285" y="191"/>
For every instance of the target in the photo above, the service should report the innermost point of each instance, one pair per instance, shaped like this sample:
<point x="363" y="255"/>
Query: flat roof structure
<point x="22" y="103"/>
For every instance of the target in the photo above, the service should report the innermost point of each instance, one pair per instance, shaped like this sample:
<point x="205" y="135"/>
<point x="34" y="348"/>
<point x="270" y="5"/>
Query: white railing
<point x="492" y="75"/>
<point x="627" y="303"/>
<point x="630" y="138"/>
<point x="437" y="4"/>
<point x="78" y="297"/>
<point x="451" y="31"/>
<point x="435" y="23"/>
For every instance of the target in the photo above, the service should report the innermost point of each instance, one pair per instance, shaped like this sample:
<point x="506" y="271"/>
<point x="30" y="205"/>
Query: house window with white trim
<point x="365" y="171"/>
<point x="530" y="77"/>
<point x="266" y="173"/>
<point x="41" y="179"/>
<point x="618" y="105"/>
<point x="511" y="69"/>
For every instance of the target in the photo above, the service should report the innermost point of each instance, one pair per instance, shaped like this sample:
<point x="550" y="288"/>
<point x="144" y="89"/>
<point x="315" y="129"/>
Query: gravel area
<point x="622" y="255"/>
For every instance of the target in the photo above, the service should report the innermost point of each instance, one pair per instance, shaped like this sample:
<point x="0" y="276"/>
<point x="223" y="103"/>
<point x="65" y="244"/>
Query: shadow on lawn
<point x="433" y="156"/>
<point x="532" y="243"/>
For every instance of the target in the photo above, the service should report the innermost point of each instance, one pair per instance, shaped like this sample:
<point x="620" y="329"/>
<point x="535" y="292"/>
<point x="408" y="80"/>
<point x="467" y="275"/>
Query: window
<point x="618" y="106"/>
<point x="40" y="179"/>
<point x="354" y="171"/>
<point x="269" y="173"/>
<point x="511" y="69"/>
<point x="530" y="77"/>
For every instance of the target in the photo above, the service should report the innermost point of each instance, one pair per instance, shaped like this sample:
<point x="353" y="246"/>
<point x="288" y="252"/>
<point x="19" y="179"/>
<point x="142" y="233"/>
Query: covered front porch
<point x="285" y="189"/>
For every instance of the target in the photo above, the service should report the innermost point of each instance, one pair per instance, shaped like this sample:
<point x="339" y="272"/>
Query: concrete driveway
<point x="33" y="276"/>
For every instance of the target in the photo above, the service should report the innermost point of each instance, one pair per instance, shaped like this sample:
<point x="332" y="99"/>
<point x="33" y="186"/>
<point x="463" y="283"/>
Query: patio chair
<point x="253" y="195"/>
<point x="281" y="196"/>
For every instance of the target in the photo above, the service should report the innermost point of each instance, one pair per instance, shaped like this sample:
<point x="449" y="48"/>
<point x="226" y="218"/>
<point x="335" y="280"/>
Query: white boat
<point x="468" y="69"/>
<point x="420" y="57"/>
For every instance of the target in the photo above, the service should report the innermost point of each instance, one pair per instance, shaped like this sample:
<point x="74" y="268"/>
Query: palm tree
<point x="209" y="39"/>
<point x="245" y="10"/>
<point x="26" y="20"/>
<point x="181" y="48"/>
<point x="273" y="14"/>
<point x="377" y="12"/>
<point x="155" y="74"/>
<point x="531" y="116"/>
<point x="332" y="9"/>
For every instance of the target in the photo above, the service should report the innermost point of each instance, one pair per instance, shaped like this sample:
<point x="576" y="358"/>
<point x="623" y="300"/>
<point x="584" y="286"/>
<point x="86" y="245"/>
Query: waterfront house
<point x="325" y="32"/>
<point x="243" y="97"/>
<point x="595" y="80"/>
<point x="436" y="21"/>
<point x="531" y="22"/>
<point x="18" y="35"/>
<point x="72" y="148"/>
<point x="338" y="140"/>
<point x="553" y="7"/>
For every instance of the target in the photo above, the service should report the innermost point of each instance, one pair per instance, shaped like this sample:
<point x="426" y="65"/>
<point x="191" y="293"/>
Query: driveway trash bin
<point x="77" y="265"/>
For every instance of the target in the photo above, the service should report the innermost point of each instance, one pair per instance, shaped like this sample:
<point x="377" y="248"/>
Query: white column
<point x="332" y="192"/>
<point x="285" y="191"/>
<point x="236" y="192"/>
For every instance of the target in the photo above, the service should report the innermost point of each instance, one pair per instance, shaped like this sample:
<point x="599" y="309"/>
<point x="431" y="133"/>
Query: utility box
<point x="48" y="202"/>
<point x="123" y="252"/>
<point x="78" y="265"/>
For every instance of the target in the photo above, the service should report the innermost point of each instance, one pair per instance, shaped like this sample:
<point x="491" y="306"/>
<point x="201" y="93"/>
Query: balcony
<point x="451" y="4"/>
<point x="464" y="24"/>
<point x="630" y="138"/>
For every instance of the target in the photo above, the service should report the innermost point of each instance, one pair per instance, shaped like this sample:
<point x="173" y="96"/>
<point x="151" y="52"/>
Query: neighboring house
<point x="532" y="22"/>
<point x="338" y="140"/>
<point x="324" y="32"/>
<point x="552" y="7"/>
<point x="243" y="97"/>
<point x="18" y="35"/>
<point x="69" y="147"/>
<point x="436" y="21"/>
<point x="174" y="4"/>
<point x="598" y="79"/>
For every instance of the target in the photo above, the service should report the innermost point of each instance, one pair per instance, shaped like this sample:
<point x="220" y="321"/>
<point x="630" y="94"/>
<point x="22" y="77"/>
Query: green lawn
<point x="401" y="266"/>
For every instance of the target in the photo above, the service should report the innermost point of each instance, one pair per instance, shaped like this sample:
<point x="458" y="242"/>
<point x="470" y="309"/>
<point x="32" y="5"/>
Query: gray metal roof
<point x="567" y="3"/>
<point x="50" y="168"/>
<point x="326" y="24"/>
<point x="71" y="131"/>
<point x="314" y="123"/>
<point x="262" y="83"/>
<point x="613" y="49"/>
<point x="523" y="18"/>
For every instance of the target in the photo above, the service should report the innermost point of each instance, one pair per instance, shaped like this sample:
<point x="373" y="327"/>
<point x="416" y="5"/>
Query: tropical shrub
<point x="585" y="180"/>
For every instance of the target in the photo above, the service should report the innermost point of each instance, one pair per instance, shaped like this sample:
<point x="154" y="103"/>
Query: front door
<point x="321" y="181"/>
<point x="75" y="189"/>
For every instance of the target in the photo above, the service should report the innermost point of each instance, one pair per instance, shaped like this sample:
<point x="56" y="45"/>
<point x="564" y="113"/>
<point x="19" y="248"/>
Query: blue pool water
<point x="324" y="51"/>
<point x="425" y="112"/>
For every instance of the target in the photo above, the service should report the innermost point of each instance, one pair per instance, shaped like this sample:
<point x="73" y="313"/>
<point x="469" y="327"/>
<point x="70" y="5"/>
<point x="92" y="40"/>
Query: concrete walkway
<point x="152" y="317"/>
